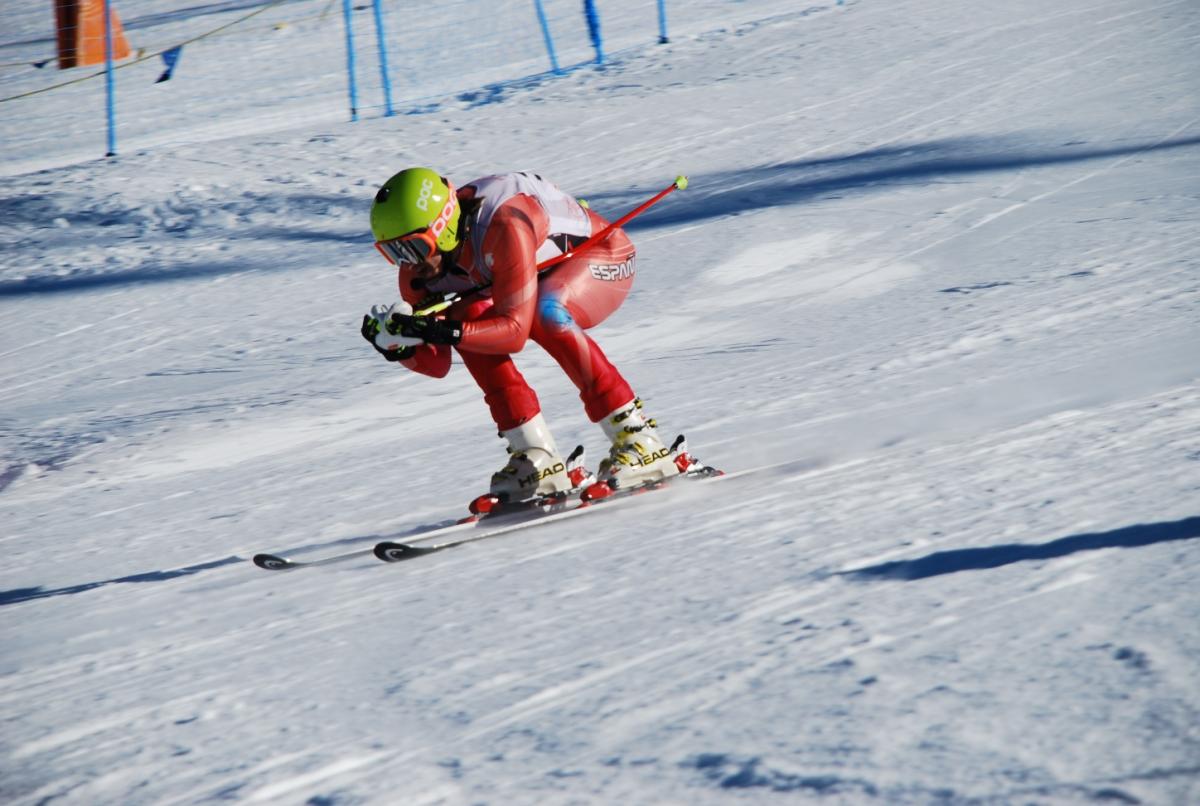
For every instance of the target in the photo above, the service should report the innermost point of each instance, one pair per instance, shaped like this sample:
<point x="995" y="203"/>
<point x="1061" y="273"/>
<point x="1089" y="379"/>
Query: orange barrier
<point x="81" y="33"/>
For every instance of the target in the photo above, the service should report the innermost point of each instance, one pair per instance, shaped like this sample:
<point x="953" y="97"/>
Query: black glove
<point x="370" y="329"/>
<point x="426" y="328"/>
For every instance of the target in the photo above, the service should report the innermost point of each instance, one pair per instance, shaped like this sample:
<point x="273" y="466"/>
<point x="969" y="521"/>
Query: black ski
<point x="275" y="562"/>
<point x="509" y="514"/>
<point x="393" y="551"/>
<point x="514" y="518"/>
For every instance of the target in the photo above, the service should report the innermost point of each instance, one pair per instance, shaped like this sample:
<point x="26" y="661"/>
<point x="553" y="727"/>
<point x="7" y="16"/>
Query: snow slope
<point x="938" y="266"/>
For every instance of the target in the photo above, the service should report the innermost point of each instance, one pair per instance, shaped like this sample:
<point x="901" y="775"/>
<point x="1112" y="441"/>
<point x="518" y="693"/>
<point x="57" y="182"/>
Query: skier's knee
<point x="553" y="315"/>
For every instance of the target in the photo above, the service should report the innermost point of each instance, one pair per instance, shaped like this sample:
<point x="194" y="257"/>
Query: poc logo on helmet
<point x="425" y="193"/>
<point x="439" y="223"/>
<point x="424" y="196"/>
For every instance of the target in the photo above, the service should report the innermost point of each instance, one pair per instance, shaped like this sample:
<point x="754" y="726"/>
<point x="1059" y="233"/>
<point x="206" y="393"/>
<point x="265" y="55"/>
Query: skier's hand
<point x="391" y="346"/>
<point x="425" y="329"/>
<point x="371" y="330"/>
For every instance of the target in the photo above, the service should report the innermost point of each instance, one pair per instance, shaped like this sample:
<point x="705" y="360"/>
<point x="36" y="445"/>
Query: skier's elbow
<point x="429" y="360"/>
<point x="423" y="369"/>
<point x="439" y="371"/>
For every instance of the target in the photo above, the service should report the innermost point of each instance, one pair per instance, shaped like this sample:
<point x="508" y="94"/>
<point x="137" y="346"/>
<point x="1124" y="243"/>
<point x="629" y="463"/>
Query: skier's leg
<point x="581" y="293"/>
<point x="601" y="387"/>
<point x="578" y="294"/>
<point x="509" y="398"/>
<point x="534" y="466"/>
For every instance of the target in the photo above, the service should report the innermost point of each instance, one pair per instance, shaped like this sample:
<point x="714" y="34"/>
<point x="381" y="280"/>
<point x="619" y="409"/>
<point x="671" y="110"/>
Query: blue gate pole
<point x="383" y="65"/>
<point x="593" y="24"/>
<point x="109" y="84"/>
<point x="541" y="12"/>
<point x="662" y="22"/>
<point x="346" y="12"/>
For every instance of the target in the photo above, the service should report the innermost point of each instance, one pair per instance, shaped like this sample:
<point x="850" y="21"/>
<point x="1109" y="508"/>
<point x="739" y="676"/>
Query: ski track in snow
<point x="937" y="274"/>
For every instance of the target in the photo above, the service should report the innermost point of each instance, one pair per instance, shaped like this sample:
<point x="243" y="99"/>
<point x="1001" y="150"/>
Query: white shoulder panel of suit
<point x="567" y="216"/>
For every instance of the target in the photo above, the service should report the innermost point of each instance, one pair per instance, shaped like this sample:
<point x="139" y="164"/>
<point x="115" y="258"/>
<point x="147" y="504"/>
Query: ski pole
<point x="448" y="298"/>
<point x="680" y="183"/>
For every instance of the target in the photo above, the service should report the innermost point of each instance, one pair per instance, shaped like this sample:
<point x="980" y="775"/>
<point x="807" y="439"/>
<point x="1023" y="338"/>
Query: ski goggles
<point x="416" y="247"/>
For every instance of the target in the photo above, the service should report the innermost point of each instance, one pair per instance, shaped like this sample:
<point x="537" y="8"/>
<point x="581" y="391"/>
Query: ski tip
<point x="272" y="562"/>
<point x="391" y="552"/>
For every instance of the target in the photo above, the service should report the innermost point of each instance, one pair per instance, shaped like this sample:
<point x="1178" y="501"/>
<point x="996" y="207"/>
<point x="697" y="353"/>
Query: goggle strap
<point x="400" y="251"/>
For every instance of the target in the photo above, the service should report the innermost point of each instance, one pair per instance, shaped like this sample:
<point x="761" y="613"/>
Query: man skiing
<point x="495" y="231"/>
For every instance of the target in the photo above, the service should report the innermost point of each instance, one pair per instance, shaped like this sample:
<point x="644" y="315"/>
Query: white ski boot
<point x="638" y="456"/>
<point x="536" y="475"/>
<point x="534" y="467"/>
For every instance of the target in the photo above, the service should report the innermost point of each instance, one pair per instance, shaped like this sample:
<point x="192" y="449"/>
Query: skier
<point x="497" y="230"/>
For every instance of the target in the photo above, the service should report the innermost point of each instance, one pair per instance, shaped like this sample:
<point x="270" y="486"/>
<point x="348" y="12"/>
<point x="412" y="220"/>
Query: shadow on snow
<point x="56" y="285"/>
<point x="976" y="559"/>
<point x="27" y="594"/>
<point x="165" y="225"/>
<point x="711" y="196"/>
<point x="32" y="286"/>
<point x="874" y="170"/>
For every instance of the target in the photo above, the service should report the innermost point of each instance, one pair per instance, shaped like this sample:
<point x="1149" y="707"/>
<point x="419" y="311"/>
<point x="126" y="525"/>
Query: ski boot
<point x="638" y="457"/>
<point x="536" y="476"/>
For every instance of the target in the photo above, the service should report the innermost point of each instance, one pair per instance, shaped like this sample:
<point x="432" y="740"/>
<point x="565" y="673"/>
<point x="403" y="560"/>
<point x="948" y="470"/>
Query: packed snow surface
<point x="937" y="275"/>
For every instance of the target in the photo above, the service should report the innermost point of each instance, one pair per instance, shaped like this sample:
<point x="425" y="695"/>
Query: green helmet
<point x="413" y="200"/>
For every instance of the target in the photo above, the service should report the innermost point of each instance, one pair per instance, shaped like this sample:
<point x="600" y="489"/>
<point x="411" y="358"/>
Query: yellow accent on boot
<point x="637" y="454"/>
<point x="534" y="466"/>
<point x="530" y="473"/>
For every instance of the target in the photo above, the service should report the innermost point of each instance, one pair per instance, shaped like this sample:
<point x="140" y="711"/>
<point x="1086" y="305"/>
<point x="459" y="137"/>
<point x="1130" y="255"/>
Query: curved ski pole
<point x="448" y="298"/>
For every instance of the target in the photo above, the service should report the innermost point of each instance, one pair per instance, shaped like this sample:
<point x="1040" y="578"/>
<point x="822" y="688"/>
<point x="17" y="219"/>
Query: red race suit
<point x="513" y="222"/>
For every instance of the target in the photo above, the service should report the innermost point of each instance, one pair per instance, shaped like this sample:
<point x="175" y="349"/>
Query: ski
<point x="510" y="514"/>
<point x="276" y="562"/>
<point x="394" y="551"/>
<point x="485" y="508"/>
<point x="510" y="518"/>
